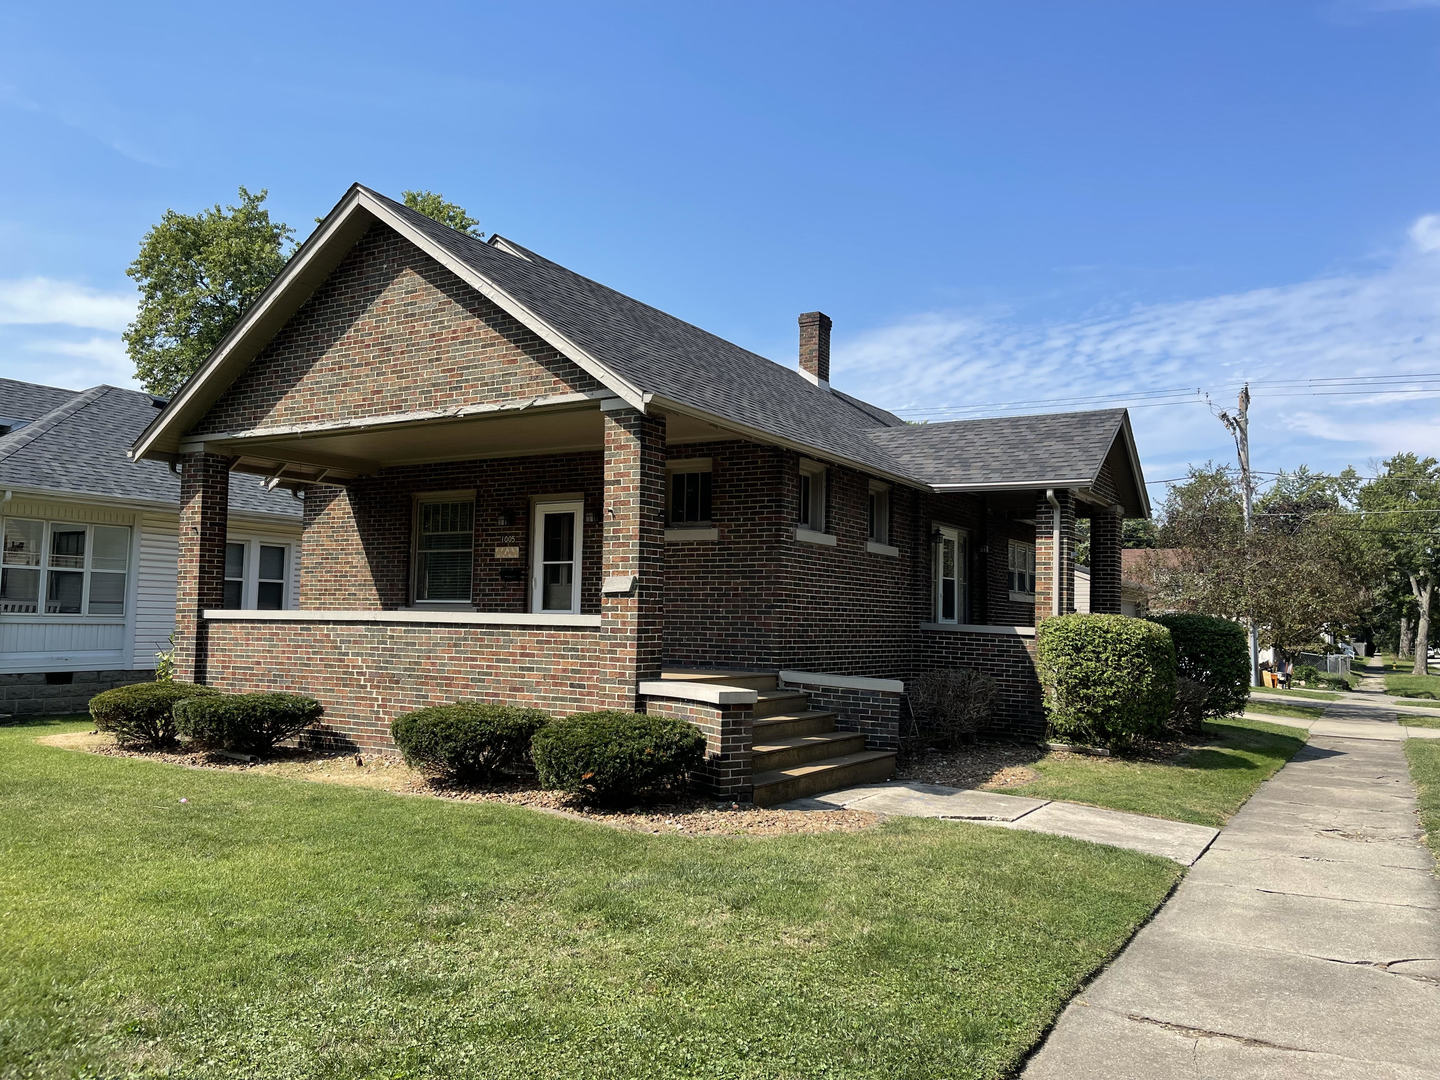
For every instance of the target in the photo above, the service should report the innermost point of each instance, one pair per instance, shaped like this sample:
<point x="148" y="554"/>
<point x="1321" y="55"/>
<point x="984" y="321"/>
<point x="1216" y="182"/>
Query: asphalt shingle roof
<point x="79" y="447"/>
<point x="30" y="401"/>
<point x="1020" y="450"/>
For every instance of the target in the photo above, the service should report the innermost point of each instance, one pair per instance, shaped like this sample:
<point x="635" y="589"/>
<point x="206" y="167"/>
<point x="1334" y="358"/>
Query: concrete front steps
<point x="796" y="750"/>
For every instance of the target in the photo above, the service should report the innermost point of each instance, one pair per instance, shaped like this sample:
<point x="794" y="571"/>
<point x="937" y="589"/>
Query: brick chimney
<point x="815" y="347"/>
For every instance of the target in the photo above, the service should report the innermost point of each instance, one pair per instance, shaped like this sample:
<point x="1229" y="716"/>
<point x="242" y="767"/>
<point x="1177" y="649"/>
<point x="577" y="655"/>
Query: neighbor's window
<point x="879" y="512"/>
<point x="60" y="568"/>
<point x="689" y="498"/>
<point x="255" y="574"/>
<point x="444" y="549"/>
<point x="812" y="496"/>
<point x="1022" y="569"/>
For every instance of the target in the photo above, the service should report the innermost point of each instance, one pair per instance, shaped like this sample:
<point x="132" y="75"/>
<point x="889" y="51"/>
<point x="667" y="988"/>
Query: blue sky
<point x="1001" y="202"/>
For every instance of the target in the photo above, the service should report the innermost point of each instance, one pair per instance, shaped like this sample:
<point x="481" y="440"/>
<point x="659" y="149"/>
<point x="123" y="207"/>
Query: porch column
<point x="200" y="575"/>
<point x="1105" y="541"/>
<point x="634" y="611"/>
<point x="1054" y="554"/>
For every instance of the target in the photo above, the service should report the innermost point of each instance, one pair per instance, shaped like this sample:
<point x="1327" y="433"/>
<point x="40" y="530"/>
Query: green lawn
<point x="1431" y="720"/>
<point x="1284" y="708"/>
<point x="1204" y="785"/>
<point x="1413" y="686"/>
<point x="1424" y="758"/>
<point x="268" y="927"/>
<point x="1318" y="695"/>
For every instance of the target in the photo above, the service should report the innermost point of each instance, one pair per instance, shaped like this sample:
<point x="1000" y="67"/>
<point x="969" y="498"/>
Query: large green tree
<point x="196" y="274"/>
<point x="1402" y="520"/>
<point x="433" y="205"/>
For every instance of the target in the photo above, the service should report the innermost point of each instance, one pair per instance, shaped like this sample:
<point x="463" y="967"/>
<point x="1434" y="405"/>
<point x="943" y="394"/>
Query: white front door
<point x="950" y="574"/>
<point x="555" y="557"/>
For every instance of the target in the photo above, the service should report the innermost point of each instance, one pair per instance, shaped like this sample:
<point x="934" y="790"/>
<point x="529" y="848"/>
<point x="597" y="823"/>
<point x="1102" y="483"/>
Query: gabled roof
<point x="29" y="401"/>
<point x="652" y="359"/>
<point x="79" y="449"/>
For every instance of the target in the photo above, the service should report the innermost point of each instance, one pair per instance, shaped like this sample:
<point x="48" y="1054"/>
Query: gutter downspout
<point x="1058" y="554"/>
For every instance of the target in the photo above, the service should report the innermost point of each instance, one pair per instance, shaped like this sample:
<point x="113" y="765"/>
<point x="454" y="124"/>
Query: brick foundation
<point x="729" y="736"/>
<point x="1009" y="658"/>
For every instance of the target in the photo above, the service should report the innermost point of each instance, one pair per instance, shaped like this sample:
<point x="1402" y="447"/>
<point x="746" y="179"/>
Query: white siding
<point x="1082" y="589"/>
<point x="155" y="595"/>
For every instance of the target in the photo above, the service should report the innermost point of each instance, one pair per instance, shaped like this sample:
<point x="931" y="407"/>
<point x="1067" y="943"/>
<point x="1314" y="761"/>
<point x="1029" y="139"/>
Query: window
<point x="812" y="496"/>
<point x="255" y="575"/>
<point x="444" y="548"/>
<point x="879" y="512"/>
<point x="61" y="568"/>
<point x="951" y="571"/>
<point x="689" y="497"/>
<point x="1022" y="570"/>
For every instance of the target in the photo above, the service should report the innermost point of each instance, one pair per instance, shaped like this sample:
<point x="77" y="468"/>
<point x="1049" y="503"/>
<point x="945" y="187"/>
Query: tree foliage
<point x="196" y="274"/>
<point x="1402" y="517"/>
<point x="433" y="205"/>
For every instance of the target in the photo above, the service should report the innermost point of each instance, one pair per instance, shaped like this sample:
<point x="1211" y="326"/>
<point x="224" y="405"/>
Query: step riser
<point x="791" y="756"/>
<point x="816" y="783"/>
<point x="779" y="705"/>
<point x="787" y="729"/>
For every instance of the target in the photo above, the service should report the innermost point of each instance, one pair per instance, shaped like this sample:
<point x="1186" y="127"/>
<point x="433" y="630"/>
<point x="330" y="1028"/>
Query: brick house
<point x="520" y="485"/>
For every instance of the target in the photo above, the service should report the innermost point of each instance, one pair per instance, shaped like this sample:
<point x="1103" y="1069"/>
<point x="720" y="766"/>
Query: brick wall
<point x="1009" y="659"/>
<point x="365" y="674"/>
<point x="352" y="350"/>
<point x="877" y="714"/>
<point x="200" y="567"/>
<point x="729" y="736"/>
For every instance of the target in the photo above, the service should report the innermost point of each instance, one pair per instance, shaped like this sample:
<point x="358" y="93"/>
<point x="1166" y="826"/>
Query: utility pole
<point x="1239" y="426"/>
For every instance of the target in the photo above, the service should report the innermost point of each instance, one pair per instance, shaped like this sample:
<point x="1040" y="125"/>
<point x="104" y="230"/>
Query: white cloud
<point x="1385" y="321"/>
<point x="39" y="301"/>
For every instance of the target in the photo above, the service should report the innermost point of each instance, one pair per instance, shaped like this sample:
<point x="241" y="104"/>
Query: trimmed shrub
<point x="467" y="742"/>
<point x="611" y="756"/>
<point x="1107" y="679"/>
<point x="142" y="715"/>
<point x="951" y="704"/>
<point x="1215" y="653"/>
<point x="246" y="723"/>
<point x="1191" y="699"/>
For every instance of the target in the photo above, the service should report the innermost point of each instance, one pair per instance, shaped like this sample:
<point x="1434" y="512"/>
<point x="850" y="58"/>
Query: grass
<point x="1430" y="720"/>
<point x="268" y="927"/>
<point x="1204" y="785"/>
<point x="1318" y="695"/>
<point x="1424" y="756"/>
<point x="1286" y="709"/>
<point x="1413" y="686"/>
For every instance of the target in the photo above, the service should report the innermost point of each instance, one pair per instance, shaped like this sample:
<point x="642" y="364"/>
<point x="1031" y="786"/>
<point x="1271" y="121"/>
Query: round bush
<point x="142" y="714"/>
<point x="468" y="741"/>
<point x="1108" y="679"/>
<point x="616" y="756"/>
<point x="246" y="723"/>
<point x="1215" y="653"/>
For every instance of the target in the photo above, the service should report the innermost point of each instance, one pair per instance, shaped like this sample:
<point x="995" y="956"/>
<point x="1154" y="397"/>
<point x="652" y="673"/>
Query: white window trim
<point x="46" y="525"/>
<point x="819" y="498"/>
<point x="537" y="542"/>
<point x="879" y="545"/>
<point x="250" y="571"/>
<point x="962" y="573"/>
<point x="1019" y="596"/>
<point x="459" y="495"/>
<point x="690" y="465"/>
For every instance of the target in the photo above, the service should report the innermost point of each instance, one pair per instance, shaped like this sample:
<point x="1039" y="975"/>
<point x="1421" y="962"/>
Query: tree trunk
<point x="1404" y="652"/>
<point x="1422" y="631"/>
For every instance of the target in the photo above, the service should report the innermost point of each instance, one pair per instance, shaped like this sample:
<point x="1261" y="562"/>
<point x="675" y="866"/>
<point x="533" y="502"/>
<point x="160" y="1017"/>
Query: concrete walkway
<point x="1304" y="944"/>
<point x="907" y="798"/>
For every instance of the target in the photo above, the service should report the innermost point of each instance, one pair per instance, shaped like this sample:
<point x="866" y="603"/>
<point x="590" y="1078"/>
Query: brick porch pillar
<point x="200" y="575"/>
<point x="1106" y="526"/>
<point x="1054" y="555"/>
<point x="634" y="614"/>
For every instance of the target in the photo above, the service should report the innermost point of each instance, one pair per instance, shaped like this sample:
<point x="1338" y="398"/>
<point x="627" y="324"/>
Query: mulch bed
<point x="997" y="766"/>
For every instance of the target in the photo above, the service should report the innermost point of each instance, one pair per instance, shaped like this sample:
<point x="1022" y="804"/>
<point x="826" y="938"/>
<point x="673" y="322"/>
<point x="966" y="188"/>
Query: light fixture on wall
<point x="936" y="536"/>
<point x="505" y="519"/>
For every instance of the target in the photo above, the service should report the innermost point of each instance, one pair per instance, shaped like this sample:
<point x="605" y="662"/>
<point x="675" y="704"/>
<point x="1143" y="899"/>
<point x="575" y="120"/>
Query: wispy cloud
<point x="96" y="119"/>
<point x="63" y="333"/>
<point x="1383" y="321"/>
<point x="39" y="301"/>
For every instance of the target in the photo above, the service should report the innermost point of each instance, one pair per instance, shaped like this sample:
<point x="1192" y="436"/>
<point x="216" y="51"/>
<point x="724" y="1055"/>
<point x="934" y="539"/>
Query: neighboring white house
<point x="87" y="562"/>
<point x="1132" y="597"/>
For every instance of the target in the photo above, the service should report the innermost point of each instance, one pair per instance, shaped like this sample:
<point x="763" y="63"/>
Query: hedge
<point x="1215" y="653"/>
<point x="1107" y="679"/>
<point x="143" y="714"/>
<point x="247" y="723"/>
<point x="468" y="741"/>
<point x="615" y="756"/>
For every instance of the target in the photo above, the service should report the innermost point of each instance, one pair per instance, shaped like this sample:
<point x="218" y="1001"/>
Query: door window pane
<point x="107" y="594"/>
<point x="19" y="591"/>
<point x="22" y="542"/>
<point x="559" y="581"/>
<point x="67" y="547"/>
<point x="63" y="591"/>
<point x="559" y="537"/>
<point x="947" y="600"/>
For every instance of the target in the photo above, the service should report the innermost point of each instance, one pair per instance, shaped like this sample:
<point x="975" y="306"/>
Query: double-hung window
<point x="62" y="568"/>
<point x="1022" y="571"/>
<point x="812" y="496"/>
<point x="688" y="501"/>
<point x="444" y="548"/>
<point x="255" y="575"/>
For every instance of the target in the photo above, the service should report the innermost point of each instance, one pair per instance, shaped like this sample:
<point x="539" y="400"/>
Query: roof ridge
<point x="18" y="440"/>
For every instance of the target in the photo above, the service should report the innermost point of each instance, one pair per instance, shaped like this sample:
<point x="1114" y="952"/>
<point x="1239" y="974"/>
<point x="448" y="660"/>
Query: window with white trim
<point x="812" y="496"/>
<point x="63" y="568"/>
<point x="879" y="512"/>
<point x="688" y="499"/>
<point x="1022" y="571"/>
<point x="255" y="575"/>
<point x="444" y="548"/>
